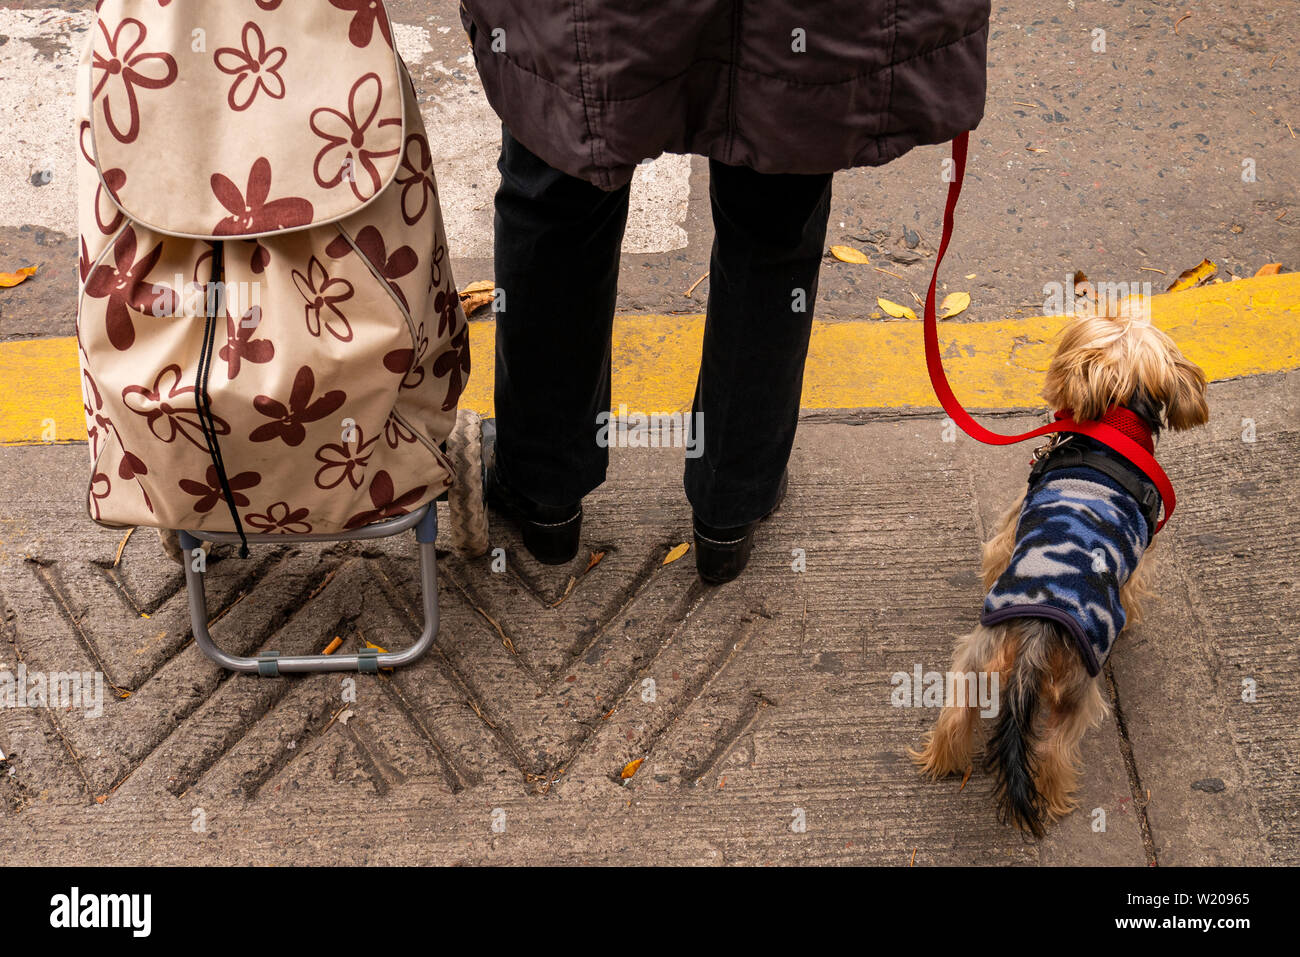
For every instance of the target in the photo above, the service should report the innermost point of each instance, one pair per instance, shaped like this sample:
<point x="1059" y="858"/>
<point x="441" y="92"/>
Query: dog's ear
<point x="1185" y="402"/>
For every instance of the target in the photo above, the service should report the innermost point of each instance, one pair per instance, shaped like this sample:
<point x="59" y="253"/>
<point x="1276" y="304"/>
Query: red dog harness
<point x="1119" y="429"/>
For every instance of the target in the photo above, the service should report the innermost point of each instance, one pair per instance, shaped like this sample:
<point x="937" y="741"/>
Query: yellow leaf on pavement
<point x="382" y="651"/>
<point x="847" y="254"/>
<point x="953" y="303"/>
<point x="1272" y="269"/>
<point x="1194" y="276"/>
<point x="895" y="310"/>
<point x="677" y="552"/>
<point x="8" y="279"/>
<point x="630" y="768"/>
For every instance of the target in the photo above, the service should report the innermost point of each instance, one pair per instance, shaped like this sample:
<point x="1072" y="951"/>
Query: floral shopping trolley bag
<point x="269" y="332"/>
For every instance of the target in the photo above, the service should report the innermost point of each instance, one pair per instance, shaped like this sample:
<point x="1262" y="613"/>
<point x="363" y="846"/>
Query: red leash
<point x="1103" y="432"/>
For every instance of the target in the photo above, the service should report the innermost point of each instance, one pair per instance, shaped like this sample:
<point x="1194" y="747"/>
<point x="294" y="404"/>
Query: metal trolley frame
<point x="271" y="663"/>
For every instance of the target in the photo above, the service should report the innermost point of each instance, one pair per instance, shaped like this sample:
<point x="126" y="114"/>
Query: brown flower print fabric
<point x="254" y="66"/>
<point x="240" y="345"/>
<point x="367" y="16"/>
<point x="209" y="492"/>
<point x="250" y="211"/>
<point x="336" y="350"/>
<point x="313" y="89"/>
<point x="289" y="418"/>
<point x="124" y="284"/>
<point x="350" y="148"/>
<point x="326" y="297"/>
<point x="123" y="71"/>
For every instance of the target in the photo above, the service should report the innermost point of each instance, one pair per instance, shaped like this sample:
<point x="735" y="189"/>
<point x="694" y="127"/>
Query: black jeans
<point x="557" y="253"/>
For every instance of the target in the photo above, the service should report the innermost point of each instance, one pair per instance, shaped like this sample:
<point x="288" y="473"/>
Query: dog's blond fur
<point x="1100" y="362"/>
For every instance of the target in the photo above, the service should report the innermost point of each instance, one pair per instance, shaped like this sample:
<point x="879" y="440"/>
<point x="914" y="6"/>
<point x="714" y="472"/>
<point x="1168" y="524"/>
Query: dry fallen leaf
<point x="509" y="645"/>
<point x="690" y="292"/>
<point x="595" y="560"/>
<point x="568" y="590"/>
<point x="953" y="303"/>
<point x="8" y="279"/>
<point x="847" y="254"/>
<point x="677" y="553"/>
<point x="472" y="304"/>
<point x="629" y="769"/>
<point x="1271" y="269"/>
<point x="117" y="559"/>
<point x="345" y="710"/>
<point x="1194" y="276"/>
<point x="895" y="310"/>
<point x="477" y="295"/>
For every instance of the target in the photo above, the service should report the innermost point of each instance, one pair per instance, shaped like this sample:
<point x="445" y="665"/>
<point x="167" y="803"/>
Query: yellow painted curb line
<point x="40" y="392"/>
<point x="1230" y="329"/>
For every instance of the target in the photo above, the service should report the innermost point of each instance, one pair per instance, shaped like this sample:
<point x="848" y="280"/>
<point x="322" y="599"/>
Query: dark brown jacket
<point x="594" y="86"/>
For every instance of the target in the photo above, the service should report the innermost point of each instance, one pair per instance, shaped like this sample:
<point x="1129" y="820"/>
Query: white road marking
<point x="412" y="42"/>
<point x="465" y="138"/>
<point x="36" y="102"/>
<point x="661" y="190"/>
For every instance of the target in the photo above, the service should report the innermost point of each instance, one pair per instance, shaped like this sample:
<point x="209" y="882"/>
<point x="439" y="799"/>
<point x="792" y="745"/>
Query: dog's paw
<point x="930" y="762"/>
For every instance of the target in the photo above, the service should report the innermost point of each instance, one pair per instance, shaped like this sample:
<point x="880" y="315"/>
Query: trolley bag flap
<point x="241" y="119"/>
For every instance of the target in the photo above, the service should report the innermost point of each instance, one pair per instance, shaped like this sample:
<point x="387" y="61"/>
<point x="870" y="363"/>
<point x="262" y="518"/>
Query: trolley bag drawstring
<point x="202" y="401"/>
<point x="1106" y="434"/>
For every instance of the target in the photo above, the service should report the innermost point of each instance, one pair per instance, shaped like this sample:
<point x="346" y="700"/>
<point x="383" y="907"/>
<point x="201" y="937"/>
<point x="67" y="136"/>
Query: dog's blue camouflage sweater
<point x="1079" y="538"/>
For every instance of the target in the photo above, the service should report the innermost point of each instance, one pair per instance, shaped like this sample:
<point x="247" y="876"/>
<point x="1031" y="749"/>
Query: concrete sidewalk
<point x="762" y="708"/>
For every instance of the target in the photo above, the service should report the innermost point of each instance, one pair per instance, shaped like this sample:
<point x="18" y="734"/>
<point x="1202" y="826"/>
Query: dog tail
<point x="1021" y="662"/>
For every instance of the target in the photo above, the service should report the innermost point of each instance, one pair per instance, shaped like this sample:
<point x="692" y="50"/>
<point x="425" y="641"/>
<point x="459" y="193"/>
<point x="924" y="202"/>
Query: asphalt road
<point x="1124" y="162"/>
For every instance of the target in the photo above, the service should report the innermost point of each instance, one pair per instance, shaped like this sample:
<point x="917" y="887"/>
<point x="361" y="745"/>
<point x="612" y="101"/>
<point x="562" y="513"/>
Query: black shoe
<point x="551" y="533"/>
<point x="721" y="554"/>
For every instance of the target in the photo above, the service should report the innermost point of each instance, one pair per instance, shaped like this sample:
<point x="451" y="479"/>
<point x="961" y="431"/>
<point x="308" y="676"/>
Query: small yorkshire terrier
<point x="1066" y="568"/>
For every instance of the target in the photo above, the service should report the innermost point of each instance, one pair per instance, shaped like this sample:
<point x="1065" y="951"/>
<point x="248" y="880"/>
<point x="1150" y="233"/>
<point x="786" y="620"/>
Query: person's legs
<point x="770" y="232"/>
<point x="557" y="251"/>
